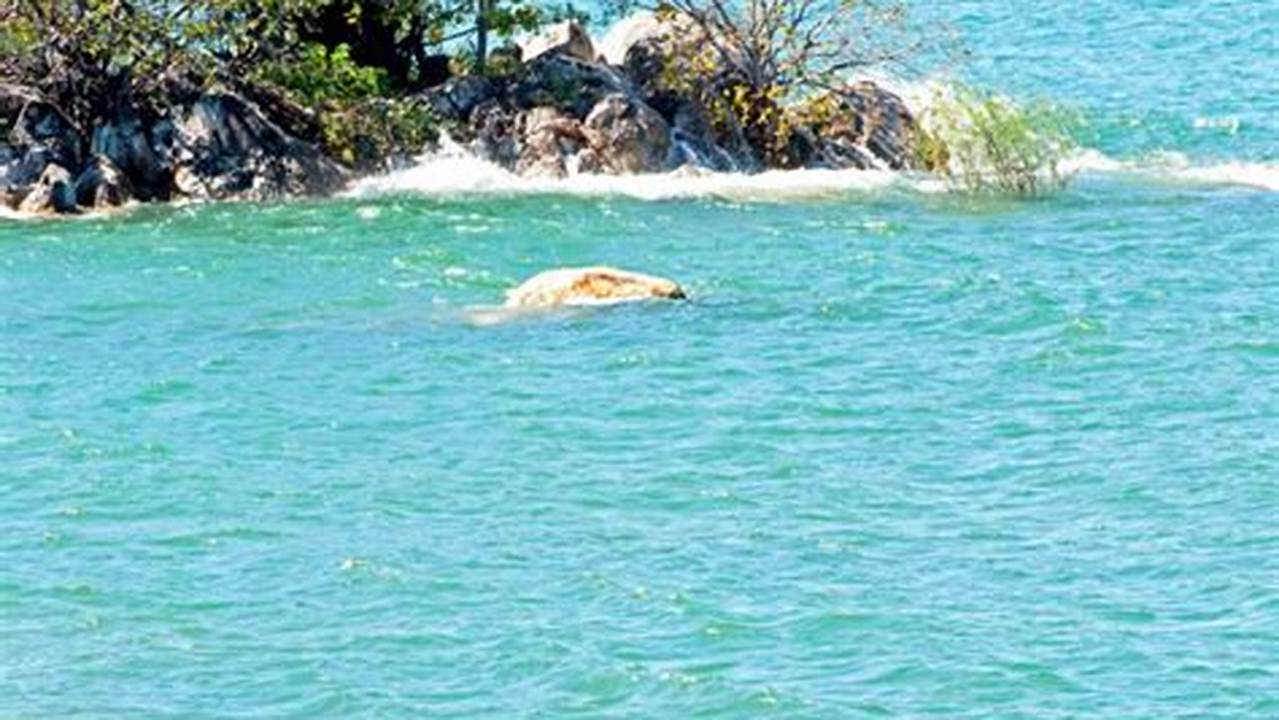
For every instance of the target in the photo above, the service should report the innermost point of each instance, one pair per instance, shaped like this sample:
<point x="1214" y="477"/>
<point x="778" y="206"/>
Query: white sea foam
<point x="7" y="213"/>
<point x="453" y="172"/>
<point x="1176" y="167"/>
<point x="1263" y="176"/>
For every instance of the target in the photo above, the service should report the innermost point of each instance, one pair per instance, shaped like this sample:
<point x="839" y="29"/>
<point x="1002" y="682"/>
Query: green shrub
<point x="984" y="143"/>
<point x="366" y="134"/>
<point x="362" y="122"/>
<point x="316" y="75"/>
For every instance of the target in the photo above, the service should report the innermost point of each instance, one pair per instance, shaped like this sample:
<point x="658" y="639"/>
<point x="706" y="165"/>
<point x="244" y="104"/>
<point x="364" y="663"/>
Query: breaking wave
<point x="453" y="171"/>
<point x="1176" y="167"/>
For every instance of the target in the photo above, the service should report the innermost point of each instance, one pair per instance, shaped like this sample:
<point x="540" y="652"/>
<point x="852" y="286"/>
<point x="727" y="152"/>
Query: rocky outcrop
<point x="102" y="185"/>
<point x="566" y="83"/>
<point x="872" y="129"/>
<point x="225" y="148"/>
<point x="569" y="106"/>
<point x="53" y="192"/>
<point x="550" y="143"/>
<point x="563" y="113"/>
<point x="36" y="136"/>
<point x="458" y="98"/>
<point x="41" y="126"/>
<point x="217" y="144"/>
<point x="140" y="151"/>
<point x="627" y="136"/>
<point x="591" y="286"/>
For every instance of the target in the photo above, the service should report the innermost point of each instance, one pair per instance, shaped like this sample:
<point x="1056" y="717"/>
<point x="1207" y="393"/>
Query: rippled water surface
<point x="904" y="454"/>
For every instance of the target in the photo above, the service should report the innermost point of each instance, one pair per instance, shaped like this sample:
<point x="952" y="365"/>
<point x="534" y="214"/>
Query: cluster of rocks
<point x="214" y="144"/>
<point x="565" y="108"/>
<point x="572" y="109"/>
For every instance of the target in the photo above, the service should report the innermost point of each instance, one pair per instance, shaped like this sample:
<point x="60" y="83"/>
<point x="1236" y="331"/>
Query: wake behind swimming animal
<point x="591" y="286"/>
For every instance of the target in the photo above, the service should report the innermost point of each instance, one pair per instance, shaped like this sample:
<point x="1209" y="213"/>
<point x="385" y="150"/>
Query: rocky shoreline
<point x="562" y="108"/>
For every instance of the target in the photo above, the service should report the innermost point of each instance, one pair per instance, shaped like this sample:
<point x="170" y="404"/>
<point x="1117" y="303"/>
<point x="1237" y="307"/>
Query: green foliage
<point x="755" y="65"/>
<point x="506" y="19"/>
<point x="39" y="38"/>
<point x="17" y="37"/>
<point x="365" y="134"/>
<point x="983" y="143"/>
<point x="362" y="123"/>
<point x="318" y="75"/>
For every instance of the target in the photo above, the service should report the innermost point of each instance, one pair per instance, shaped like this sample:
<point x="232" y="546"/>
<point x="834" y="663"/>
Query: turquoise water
<point x="904" y="454"/>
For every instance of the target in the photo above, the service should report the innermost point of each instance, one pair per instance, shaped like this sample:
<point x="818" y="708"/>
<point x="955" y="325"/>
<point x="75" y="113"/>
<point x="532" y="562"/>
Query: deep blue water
<point x="904" y="454"/>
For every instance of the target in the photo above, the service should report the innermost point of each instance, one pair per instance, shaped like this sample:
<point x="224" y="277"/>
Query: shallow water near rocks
<point x="903" y="453"/>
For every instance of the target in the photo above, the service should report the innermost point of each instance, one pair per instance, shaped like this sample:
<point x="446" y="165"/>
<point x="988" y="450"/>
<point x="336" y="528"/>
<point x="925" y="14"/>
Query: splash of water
<point x="454" y="171"/>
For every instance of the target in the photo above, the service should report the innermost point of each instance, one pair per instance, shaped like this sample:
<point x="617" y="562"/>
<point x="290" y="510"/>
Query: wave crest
<point x="453" y="171"/>
<point x="1176" y="167"/>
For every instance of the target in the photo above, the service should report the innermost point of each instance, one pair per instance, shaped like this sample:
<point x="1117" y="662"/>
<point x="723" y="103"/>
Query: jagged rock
<point x="643" y="49"/>
<point x="495" y="134"/>
<point x="693" y="142"/>
<point x="550" y="142"/>
<point x="567" y="38"/>
<point x="41" y="124"/>
<point x="54" y="192"/>
<point x="295" y="119"/>
<point x="628" y="136"/>
<point x="591" y="286"/>
<point x="29" y="164"/>
<point x="140" y="152"/>
<point x="644" y="62"/>
<point x="34" y="133"/>
<point x="458" y="98"/>
<point x="874" y="128"/>
<point x="225" y="147"/>
<point x="102" y="185"/>
<point x="568" y="84"/>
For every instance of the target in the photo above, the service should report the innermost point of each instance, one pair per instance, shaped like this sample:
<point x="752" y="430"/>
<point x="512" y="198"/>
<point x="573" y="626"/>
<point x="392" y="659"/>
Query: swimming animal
<point x="591" y="286"/>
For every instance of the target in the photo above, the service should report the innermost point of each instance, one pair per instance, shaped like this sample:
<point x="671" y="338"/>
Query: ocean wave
<point x="455" y="173"/>
<point x="452" y="175"/>
<point x="1177" y="167"/>
<point x="1257" y="175"/>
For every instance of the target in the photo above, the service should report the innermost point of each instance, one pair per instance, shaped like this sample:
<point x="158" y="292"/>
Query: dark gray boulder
<point x="568" y="84"/>
<point x="627" y="136"/>
<point x="138" y="150"/>
<point x="495" y="133"/>
<point x="40" y="125"/>
<point x="874" y="129"/>
<point x="102" y="185"/>
<point x="458" y="98"/>
<point x="53" y="192"/>
<point x="225" y="147"/>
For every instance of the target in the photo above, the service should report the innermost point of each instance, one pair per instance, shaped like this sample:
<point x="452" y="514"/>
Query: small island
<point x="108" y="103"/>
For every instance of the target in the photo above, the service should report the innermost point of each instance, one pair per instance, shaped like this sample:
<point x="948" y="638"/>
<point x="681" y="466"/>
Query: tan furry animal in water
<point x="591" y="286"/>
